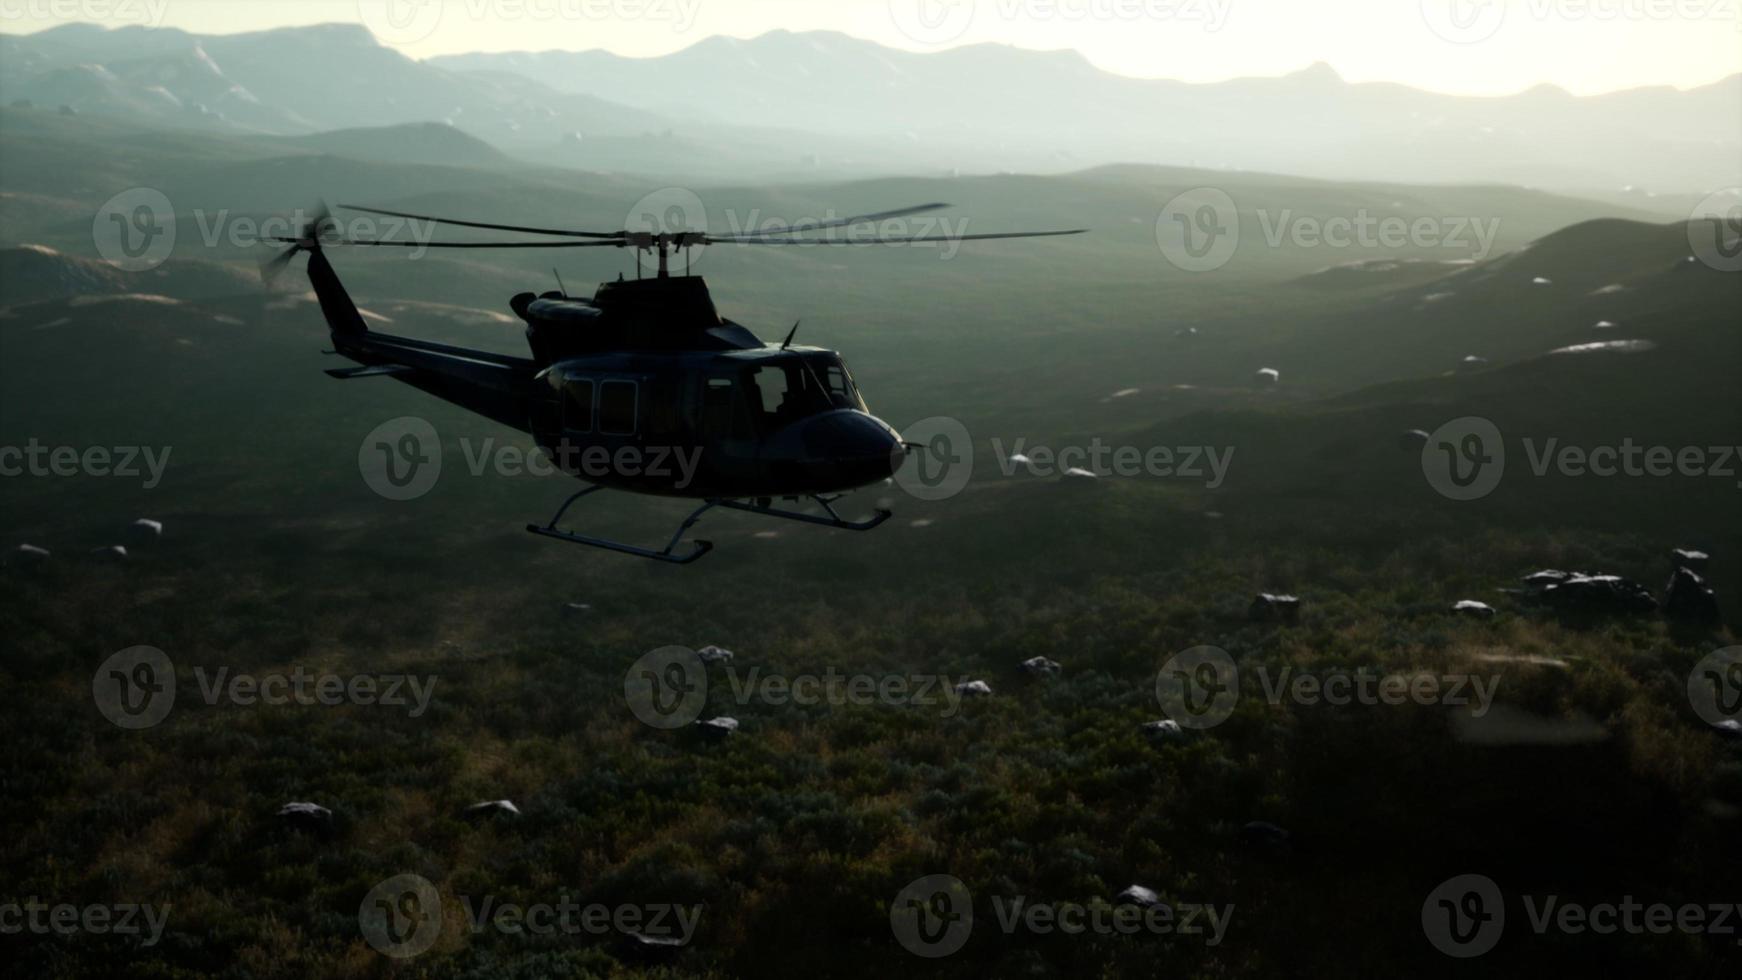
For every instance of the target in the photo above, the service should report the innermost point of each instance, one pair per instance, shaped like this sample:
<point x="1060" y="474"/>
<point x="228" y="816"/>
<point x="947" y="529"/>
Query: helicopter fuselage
<point x="747" y="423"/>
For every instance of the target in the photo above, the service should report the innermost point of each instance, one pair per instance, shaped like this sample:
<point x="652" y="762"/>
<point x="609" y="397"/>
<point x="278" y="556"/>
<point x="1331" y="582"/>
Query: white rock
<point x="115" y="551"/>
<point x="1268" y="376"/>
<point x="1167" y="728"/>
<point x="1609" y="346"/>
<point x="718" y="726"/>
<point x="1138" y="895"/>
<point x="711" y="654"/>
<point x="305" y="811"/>
<point x="979" y="689"/>
<point x="1078" y="473"/>
<point x="1470" y="607"/>
<point x="1042" y="667"/>
<point x="490" y="808"/>
<point x="147" y="526"/>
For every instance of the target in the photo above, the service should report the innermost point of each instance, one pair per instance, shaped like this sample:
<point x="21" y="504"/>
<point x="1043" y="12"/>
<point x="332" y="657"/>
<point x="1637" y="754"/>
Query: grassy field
<point x="1589" y="776"/>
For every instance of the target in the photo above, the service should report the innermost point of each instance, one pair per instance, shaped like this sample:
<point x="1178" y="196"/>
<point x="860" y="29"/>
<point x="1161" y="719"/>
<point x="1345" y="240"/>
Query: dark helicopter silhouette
<point x="645" y="387"/>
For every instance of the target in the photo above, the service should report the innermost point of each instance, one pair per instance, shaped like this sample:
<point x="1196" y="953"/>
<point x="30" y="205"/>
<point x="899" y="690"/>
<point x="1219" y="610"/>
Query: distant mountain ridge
<point x="785" y="104"/>
<point x="1055" y="104"/>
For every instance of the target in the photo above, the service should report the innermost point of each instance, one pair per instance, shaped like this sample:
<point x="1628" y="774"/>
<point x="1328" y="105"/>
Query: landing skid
<point x="670" y="554"/>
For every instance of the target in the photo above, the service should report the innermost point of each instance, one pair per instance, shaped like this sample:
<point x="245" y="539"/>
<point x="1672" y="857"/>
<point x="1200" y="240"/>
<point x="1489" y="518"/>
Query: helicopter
<point x="645" y="387"/>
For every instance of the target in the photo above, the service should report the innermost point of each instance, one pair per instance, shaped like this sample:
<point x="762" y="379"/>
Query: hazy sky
<point x="1467" y="46"/>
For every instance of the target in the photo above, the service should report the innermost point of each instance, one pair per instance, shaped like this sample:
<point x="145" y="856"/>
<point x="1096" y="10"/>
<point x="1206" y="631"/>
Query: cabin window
<point x="578" y="405"/>
<point x="617" y="408"/>
<point x="771" y="384"/>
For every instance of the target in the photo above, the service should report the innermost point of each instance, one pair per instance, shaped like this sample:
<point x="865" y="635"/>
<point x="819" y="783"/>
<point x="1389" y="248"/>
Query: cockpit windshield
<point x="801" y="385"/>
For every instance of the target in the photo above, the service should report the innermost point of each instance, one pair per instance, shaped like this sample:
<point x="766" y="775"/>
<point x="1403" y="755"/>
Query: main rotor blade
<point x="898" y="240"/>
<point x="808" y="228"/>
<point x="481" y="224"/>
<point x="614" y="243"/>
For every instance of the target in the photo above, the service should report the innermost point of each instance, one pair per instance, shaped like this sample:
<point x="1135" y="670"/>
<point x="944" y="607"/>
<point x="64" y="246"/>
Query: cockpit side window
<point x="578" y="405"/>
<point x="724" y="414"/>
<point x="617" y="408"/>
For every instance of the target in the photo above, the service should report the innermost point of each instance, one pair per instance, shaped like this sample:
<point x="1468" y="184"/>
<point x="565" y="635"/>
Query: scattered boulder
<point x="977" y="689"/>
<point x="491" y="808"/>
<point x="1078" y="473"/>
<point x="306" y="816"/>
<point x="1267" y="376"/>
<point x="1690" y="559"/>
<point x="1166" y="730"/>
<point x="1471" y="362"/>
<point x="1688" y="598"/>
<point x="1473" y="609"/>
<point x="113" y="552"/>
<point x="577" y="608"/>
<point x="1545" y="578"/>
<point x="1608" y="346"/>
<point x="1730" y="727"/>
<point x="1542" y="281"/>
<point x="711" y="654"/>
<point x="146" y="529"/>
<point x="1272" y="607"/>
<point x="1139" y="896"/>
<point x="1414" y="440"/>
<point x="1042" y="667"/>
<point x="720" y="727"/>
<point x="28" y="554"/>
<point x="1603" y="594"/>
<point x="1018" y="459"/>
<point x="1604" y="325"/>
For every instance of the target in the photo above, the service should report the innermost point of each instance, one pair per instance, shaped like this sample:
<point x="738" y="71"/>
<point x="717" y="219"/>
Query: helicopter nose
<point x="859" y="448"/>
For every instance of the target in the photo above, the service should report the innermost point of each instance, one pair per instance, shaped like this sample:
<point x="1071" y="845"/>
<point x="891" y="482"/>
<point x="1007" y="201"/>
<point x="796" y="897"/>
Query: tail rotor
<point x="308" y="239"/>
